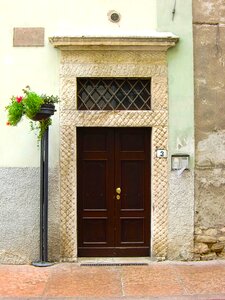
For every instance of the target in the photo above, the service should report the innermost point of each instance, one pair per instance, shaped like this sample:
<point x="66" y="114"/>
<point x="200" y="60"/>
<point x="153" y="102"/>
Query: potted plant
<point x="37" y="108"/>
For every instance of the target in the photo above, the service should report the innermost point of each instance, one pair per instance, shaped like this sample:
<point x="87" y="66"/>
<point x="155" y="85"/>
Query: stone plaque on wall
<point x="28" y="37"/>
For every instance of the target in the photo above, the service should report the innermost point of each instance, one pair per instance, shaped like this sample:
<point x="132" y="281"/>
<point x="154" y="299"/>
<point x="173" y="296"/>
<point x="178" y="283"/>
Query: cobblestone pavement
<point x="157" y="280"/>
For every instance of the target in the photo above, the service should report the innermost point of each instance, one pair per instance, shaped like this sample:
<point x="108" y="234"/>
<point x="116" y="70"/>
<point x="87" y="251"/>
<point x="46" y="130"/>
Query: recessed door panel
<point x="132" y="230"/>
<point x="132" y="181"/>
<point x="113" y="191"/>
<point x="95" y="142"/>
<point x="97" y="236"/>
<point x="94" y="187"/>
<point x="131" y="140"/>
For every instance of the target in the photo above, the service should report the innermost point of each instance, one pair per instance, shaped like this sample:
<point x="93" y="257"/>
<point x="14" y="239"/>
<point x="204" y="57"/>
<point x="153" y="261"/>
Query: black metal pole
<point x="44" y="197"/>
<point x="43" y="203"/>
<point x="41" y="197"/>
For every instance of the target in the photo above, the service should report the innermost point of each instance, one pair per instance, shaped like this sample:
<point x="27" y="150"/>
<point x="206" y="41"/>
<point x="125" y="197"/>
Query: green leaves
<point x="32" y="103"/>
<point x="29" y="105"/>
<point x="15" y="112"/>
<point x="40" y="127"/>
<point x="50" y="99"/>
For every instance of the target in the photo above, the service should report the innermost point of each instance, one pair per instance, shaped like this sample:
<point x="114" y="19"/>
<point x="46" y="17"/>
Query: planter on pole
<point x="37" y="108"/>
<point x="44" y="114"/>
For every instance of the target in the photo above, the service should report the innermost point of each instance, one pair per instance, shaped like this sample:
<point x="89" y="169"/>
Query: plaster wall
<point x="19" y="226"/>
<point x="39" y="68"/>
<point x="209" y="58"/>
<point x="181" y="124"/>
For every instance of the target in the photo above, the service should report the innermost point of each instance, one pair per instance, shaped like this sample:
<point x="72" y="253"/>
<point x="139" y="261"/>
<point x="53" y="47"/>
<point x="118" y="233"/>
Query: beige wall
<point x="209" y="58"/>
<point x="38" y="67"/>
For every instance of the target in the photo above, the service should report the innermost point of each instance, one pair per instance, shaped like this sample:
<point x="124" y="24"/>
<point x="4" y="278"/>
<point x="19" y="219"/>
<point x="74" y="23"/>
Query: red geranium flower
<point x="19" y="99"/>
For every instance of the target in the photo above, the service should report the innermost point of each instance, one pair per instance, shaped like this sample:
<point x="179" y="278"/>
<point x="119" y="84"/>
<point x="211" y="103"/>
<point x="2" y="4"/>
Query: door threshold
<point x="114" y="261"/>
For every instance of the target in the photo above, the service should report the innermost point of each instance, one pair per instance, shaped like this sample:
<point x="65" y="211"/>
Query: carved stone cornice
<point x="158" y="42"/>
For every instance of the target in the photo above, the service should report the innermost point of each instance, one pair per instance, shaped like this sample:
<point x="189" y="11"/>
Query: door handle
<point x="118" y="190"/>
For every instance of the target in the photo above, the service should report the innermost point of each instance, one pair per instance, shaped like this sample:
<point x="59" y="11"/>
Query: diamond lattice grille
<point x="112" y="94"/>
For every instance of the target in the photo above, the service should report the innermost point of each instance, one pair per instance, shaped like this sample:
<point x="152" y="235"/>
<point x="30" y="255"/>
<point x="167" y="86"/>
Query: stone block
<point x="211" y="232"/>
<point x="208" y="11"/>
<point x="209" y="105"/>
<point x="28" y="37"/>
<point x="221" y="239"/>
<point x="218" y="247"/>
<point x="197" y="257"/>
<point x="201" y="248"/>
<point x="198" y="231"/>
<point x="209" y="194"/>
<point x="209" y="256"/>
<point x="221" y="255"/>
<point x="211" y="149"/>
<point x="206" y="239"/>
<point x="204" y="163"/>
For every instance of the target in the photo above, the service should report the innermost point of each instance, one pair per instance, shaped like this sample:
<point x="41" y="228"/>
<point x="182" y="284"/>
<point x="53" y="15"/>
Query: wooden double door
<point x="113" y="191"/>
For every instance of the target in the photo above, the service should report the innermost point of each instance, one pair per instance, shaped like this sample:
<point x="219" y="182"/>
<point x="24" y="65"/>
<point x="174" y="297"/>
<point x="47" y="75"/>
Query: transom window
<point x="114" y="94"/>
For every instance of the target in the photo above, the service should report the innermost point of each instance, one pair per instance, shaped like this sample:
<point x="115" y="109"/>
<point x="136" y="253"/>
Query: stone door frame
<point x="135" y="57"/>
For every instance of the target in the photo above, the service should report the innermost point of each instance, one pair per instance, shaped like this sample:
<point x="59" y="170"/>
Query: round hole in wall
<point x="114" y="16"/>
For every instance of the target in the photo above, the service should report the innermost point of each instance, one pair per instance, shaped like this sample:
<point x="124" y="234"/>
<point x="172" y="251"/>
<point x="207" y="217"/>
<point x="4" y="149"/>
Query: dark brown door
<point x="113" y="191"/>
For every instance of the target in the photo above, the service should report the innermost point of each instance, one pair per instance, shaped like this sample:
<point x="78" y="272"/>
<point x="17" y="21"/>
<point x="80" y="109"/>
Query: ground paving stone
<point x="67" y="281"/>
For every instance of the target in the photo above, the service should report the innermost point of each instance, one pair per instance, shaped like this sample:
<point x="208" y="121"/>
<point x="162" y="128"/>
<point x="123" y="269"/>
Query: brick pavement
<point x="162" y="280"/>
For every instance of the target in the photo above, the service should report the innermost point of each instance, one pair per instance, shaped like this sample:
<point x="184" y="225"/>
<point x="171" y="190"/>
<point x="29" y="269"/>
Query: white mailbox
<point x="180" y="161"/>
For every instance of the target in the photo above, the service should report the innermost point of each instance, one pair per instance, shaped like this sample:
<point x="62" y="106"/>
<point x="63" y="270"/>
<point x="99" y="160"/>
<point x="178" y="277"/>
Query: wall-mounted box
<point x="180" y="161"/>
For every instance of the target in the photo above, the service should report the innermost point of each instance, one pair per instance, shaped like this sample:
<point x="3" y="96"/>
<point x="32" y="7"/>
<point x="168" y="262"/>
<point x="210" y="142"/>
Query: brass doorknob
<point x="118" y="190"/>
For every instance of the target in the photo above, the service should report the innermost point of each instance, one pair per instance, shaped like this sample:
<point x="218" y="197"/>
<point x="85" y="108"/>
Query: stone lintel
<point x="154" y="43"/>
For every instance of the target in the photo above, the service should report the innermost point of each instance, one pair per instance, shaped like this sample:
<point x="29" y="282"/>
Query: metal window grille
<point x="114" y="94"/>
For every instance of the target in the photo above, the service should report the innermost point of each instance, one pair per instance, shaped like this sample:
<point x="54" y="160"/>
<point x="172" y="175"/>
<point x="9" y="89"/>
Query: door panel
<point x="131" y="140"/>
<point x="113" y="223"/>
<point x="132" y="230"/>
<point x="132" y="182"/>
<point x="94" y="186"/>
<point x="132" y="165"/>
<point x="97" y="236"/>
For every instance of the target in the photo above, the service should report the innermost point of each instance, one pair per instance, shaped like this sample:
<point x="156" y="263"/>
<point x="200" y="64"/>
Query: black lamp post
<point x="44" y="114"/>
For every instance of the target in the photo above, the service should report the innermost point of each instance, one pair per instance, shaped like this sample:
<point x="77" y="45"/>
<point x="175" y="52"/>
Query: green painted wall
<point x="180" y="74"/>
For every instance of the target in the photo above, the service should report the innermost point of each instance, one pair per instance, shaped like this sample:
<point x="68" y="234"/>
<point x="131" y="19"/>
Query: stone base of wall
<point x="181" y="216"/>
<point x="209" y="199"/>
<point x="20" y="215"/>
<point x="209" y="243"/>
